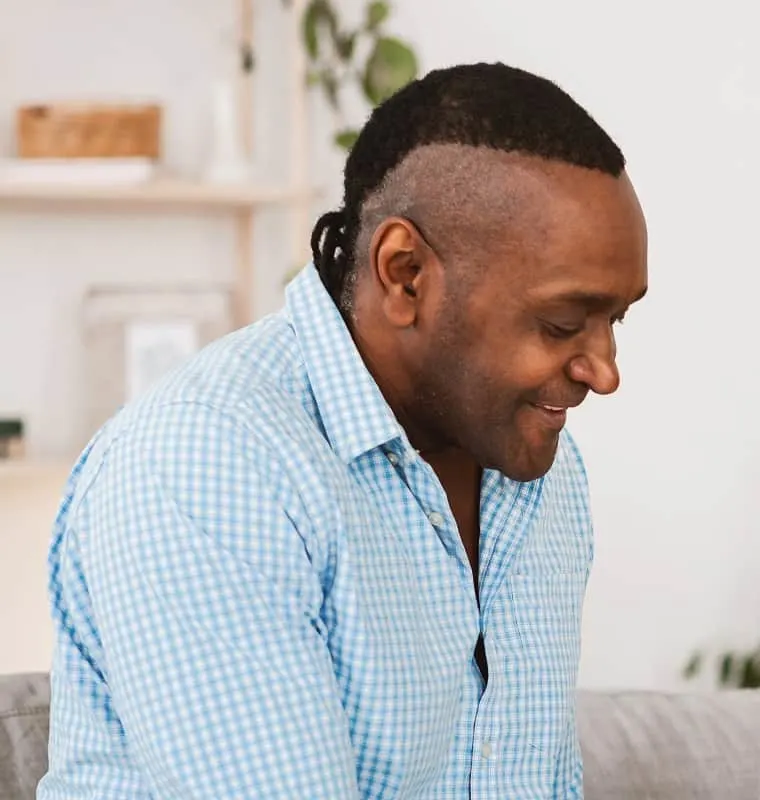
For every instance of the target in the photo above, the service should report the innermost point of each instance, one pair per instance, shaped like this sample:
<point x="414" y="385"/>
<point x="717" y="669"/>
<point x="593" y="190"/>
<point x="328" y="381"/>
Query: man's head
<point x="489" y="241"/>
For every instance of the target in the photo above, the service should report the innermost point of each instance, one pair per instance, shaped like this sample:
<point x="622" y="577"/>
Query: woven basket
<point x="85" y="131"/>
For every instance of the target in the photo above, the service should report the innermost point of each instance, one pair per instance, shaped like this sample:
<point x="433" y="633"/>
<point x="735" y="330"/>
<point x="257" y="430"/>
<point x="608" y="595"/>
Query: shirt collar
<point x="356" y="416"/>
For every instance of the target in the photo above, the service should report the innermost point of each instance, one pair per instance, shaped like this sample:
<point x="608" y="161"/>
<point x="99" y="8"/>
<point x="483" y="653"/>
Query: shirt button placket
<point x="436" y="519"/>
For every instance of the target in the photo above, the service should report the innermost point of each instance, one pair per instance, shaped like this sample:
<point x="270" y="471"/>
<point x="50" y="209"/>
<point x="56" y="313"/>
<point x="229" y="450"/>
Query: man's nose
<point x="596" y="366"/>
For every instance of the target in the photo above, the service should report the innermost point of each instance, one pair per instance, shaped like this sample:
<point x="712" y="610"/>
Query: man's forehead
<point x="614" y="276"/>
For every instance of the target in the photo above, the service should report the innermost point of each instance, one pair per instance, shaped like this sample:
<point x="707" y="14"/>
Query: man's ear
<point x="398" y="258"/>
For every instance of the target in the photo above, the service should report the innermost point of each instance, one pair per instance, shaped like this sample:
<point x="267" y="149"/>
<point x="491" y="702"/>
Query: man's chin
<point x="531" y="464"/>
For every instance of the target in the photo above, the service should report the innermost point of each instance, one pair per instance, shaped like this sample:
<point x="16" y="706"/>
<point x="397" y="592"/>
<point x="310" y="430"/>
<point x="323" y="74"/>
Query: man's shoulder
<point x="242" y="401"/>
<point x="261" y="359"/>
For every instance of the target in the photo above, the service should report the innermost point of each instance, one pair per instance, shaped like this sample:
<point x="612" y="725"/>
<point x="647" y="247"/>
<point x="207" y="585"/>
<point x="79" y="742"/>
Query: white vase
<point x="227" y="161"/>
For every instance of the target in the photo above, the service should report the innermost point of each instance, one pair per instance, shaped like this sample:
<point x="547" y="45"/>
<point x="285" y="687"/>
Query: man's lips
<point x="560" y="405"/>
<point x="554" y="416"/>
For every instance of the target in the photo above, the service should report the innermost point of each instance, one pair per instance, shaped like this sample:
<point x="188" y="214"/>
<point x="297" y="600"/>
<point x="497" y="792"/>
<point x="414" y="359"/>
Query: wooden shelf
<point x="187" y="194"/>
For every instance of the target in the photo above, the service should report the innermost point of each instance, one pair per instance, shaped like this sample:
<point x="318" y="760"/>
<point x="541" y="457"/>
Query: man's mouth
<point x="553" y="416"/>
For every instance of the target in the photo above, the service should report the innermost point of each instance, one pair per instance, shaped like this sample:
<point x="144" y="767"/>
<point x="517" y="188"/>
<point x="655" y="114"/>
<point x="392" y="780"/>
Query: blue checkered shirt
<point x="259" y="591"/>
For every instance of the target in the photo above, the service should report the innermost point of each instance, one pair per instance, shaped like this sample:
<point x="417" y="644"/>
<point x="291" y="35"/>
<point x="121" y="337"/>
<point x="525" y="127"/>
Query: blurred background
<point x="161" y="164"/>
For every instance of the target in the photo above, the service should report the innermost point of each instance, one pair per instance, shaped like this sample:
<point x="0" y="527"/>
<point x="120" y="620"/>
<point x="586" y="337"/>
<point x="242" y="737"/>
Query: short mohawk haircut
<point x="481" y="105"/>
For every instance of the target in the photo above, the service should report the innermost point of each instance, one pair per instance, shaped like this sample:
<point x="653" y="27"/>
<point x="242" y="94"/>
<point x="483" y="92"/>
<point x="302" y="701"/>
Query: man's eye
<point x="561" y="331"/>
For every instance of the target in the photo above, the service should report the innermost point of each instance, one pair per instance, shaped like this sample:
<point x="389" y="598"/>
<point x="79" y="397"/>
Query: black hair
<point x="482" y="105"/>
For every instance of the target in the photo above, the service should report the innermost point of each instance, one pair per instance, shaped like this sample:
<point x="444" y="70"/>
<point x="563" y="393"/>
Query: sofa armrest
<point x="24" y="725"/>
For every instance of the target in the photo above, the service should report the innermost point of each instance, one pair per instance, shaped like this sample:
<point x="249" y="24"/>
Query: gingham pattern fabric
<point x="259" y="592"/>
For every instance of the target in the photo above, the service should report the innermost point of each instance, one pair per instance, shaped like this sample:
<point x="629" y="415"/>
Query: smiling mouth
<point x="553" y="416"/>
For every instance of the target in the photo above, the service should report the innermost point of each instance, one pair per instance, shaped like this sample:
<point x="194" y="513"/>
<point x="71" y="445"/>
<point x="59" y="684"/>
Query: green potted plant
<point x="365" y="57"/>
<point x="736" y="670"/>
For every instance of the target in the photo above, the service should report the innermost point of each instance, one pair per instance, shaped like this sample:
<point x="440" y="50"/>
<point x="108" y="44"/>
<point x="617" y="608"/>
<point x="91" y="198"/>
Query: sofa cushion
<point x="652" y="746"/>
<point x="24" y="709"/>
<point x="636" y="745"/>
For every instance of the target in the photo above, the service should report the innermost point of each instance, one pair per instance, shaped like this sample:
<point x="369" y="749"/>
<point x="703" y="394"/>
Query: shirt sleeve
<point x="204" y="595"/>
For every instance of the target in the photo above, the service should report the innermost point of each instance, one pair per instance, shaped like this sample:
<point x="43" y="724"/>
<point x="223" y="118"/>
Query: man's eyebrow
<point x="594" y="300"/>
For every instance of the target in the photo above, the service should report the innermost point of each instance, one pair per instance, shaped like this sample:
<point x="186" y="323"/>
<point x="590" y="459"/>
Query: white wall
<point x="670" y="458"/>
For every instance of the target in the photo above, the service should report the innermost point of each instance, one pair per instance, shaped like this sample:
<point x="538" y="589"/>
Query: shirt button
<point x="486" y="751"/>
<point x="393" y="458"/>
<point x="436" y="519"/>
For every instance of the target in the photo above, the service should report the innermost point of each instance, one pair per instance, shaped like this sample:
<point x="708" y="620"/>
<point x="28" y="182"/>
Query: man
<point x="342" y="553"/>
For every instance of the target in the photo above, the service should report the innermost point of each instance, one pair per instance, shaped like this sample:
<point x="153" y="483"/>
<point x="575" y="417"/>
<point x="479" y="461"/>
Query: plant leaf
<point x="750" y="672"/>
<point x="329" y="82"/>
<point x="391" y="65"/>
<point x="725" y="674"/>
<point x="693" y="666"/>
<point x="309" y="30"/>
<point x="345" y="45"/>
<point x="317" y="14"/>
<point x="377" y="13"/>
<point x="346" y="139"/>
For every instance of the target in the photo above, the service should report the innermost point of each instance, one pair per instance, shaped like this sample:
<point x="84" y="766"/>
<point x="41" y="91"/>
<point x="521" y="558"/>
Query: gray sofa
<point x="637" y="746"/>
